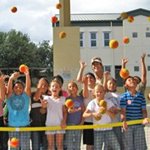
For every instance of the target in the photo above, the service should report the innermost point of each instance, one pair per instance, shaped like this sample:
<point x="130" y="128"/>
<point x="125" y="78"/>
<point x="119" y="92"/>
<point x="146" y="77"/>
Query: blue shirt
<point x="133" y="105"/>
<point x="18" y="110"/>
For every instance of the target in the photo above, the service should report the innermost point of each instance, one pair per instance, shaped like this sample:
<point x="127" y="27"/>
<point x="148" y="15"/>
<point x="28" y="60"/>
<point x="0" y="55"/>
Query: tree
<point x="16" y="48"/>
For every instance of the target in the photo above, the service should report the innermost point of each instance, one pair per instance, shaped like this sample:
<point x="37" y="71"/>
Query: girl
<point x="114" y="97"/>
<point x="101" y="135"/>
<point x="18" y="107"/>
<point x="88" y="81"/>
<point x="56" y="114"/>
<point x="38" y="115"/>
<point x="74" y="117"/>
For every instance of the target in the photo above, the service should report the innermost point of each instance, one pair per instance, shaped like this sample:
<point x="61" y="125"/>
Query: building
<point x="96" y="30"/>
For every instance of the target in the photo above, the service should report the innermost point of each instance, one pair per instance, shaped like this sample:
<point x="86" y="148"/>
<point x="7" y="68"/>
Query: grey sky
<point x="34" y="16"/>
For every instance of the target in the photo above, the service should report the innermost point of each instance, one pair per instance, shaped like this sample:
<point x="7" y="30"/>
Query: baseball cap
<point x="96" y="59"/>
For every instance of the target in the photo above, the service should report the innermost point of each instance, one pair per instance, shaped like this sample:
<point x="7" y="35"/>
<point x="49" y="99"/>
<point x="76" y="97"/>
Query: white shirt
<point x="115" y="99"/>
<point x="94" y="107"/>
<point x="54" y="110"/>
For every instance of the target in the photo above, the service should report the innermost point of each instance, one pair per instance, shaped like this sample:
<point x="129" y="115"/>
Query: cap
<point x="96" y="59"/>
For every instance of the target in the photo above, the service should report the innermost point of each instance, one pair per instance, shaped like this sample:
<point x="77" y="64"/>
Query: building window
<point x="106" y="38"/>
<point x="93" y="39"/>
<point x="147" y="34"/>
<point x="148" y="68"/>
<point x="134" y="34"/>
<point x="81" y="39"/>
<point x="136" y="68"/>
<point x="107" y="68"/>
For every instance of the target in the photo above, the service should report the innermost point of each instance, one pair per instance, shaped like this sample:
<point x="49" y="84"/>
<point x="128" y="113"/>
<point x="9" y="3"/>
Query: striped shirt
<point x="133" y="105"/>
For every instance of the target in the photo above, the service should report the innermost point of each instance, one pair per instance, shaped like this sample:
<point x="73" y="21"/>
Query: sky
<point x="33" y="17"/>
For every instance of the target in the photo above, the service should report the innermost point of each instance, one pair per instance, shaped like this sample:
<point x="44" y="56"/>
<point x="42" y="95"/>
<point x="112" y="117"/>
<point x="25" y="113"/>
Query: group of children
<point x="97" y="103"/>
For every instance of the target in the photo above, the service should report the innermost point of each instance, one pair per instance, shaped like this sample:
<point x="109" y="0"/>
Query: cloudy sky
<point x="34" y="16"/>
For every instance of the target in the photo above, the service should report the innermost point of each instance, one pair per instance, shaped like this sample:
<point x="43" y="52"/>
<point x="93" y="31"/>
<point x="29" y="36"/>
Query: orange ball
<point x="23" y="68"/>
<point x="113" y="44"/>
<point x="103" y="103"/>
<point x="14" y="142"/>
<point x="14" y="9"/>
<point x="54" y="19"/>
<point x="69" y="103"/>
<point x="124" y="73"/>
<point x="130" y="19"/>
<point x="62" y="35"/>
<point x="58" y="5"/>
<point x="126" y="40"/>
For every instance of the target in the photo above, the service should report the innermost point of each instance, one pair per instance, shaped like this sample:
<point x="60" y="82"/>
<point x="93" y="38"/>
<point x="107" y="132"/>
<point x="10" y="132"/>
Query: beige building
<point x="89" y="36"/>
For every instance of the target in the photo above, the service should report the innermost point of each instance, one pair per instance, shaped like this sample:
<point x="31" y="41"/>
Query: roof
<point x="103" y="19"/>
<point x="94" y="17"/>
<point x="106" y="16"/>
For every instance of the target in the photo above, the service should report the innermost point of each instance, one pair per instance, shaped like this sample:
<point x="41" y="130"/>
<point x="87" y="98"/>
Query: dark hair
<point x="91" y="74"/>
<point x="19" y="82"/>
<point x="44" y="78"/>
<point x="137" y="78"/>
<point x="59" y="77"/>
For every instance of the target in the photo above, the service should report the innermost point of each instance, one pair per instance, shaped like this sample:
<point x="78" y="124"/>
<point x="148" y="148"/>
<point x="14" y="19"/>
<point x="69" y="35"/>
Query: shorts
<point x="88" y="135"/>
<point x="55" y="132"/>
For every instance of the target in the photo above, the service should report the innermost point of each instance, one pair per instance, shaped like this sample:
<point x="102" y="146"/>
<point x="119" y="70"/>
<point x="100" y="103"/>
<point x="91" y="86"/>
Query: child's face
<point x="43" y="85"/>
<point x="91" y="80"/>
<point x="99" y="92"/>
<point x="55" y="88"/>
<point x="111" y="85"/>
<point x="72" y="89"/>
<point x="130" y="82"/>
<point x="18" y="89"/>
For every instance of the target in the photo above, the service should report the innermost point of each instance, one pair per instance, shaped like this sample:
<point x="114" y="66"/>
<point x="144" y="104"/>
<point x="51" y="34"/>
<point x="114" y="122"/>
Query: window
<point x="147" y="34"/>
<point x="107" y="68"/>
<point x="106" y="37"/>
<point x="148" y="68"/>
<point x="134" y="34"/>
<point x="136" y="68"/>
<point x="81" y="39"/>
<point x="93" y="39"/>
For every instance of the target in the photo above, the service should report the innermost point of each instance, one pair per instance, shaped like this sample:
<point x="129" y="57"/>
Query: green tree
<point x="16" y="48"/>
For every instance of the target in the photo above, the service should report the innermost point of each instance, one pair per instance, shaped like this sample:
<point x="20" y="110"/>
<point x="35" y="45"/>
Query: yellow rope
<point x="72" y="127"/>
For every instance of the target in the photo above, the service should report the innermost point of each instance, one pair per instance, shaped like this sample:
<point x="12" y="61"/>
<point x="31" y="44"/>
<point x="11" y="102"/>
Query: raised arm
<point x="13" y="77"/>
<point x="80" y="73"/>
<point x="85" y="92"/>
<point x="124" y="61"/>
<point x="28" y="83"/>
<point x="2" y="88"/>
<point x="143" y="70"/>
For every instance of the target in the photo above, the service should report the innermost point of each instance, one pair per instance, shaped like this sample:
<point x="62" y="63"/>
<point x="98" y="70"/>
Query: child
<point x="38" y="115"/>
<point x="56" y="114"/>
<point x="18" y="103"/>
<point x="133" y="107"/>
<point x="60" y="78"/>
<point x="101" y="136"/>
<point x="88" y="94"/>
<point x="74" y="117"/>
<point x="140" y="81"/>
<point x="3" y="141"/>
<point x="88" y="83"/>
<point x="114" y="97"/>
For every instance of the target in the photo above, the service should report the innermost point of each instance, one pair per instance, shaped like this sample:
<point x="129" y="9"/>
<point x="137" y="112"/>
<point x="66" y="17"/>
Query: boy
<point x="133" y="107"/>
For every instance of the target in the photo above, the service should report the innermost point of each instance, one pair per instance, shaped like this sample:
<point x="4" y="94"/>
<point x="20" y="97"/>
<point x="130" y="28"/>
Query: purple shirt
<point x="75" y="118"/>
